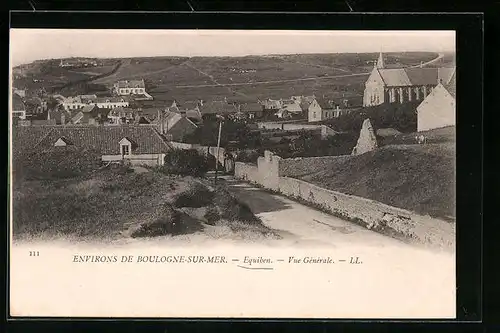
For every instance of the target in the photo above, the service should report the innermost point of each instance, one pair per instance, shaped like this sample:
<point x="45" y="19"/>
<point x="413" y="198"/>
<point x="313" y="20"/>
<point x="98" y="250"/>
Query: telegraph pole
<point x="218" y="148"/>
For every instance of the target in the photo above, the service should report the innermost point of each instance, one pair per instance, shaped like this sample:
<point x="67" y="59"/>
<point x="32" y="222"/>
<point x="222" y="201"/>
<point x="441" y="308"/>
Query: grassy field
<point x="116" y="204"/>
<point x="256" y="77"/>
<point x="419" y="178"/>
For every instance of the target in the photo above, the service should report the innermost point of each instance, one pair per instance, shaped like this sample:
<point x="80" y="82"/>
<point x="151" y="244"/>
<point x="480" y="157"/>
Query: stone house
<point x="136" y="144"/>
<point x="401" y="85"/>
<point x="322" y="109"/>
<point x="126" y="87"/>
<point x="438" y="108"/>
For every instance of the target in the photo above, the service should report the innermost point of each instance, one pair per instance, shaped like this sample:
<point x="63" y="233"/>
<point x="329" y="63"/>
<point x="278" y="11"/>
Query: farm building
<point x="402" y="85"/>
<point x="438" y="108"/>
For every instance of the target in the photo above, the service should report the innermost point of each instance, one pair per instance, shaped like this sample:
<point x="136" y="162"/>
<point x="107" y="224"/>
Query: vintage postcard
<point x="232" y="174"/>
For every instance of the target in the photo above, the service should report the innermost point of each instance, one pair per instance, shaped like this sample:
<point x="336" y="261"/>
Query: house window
<point x="314" y="115"/>
<point x="125" y="150"/>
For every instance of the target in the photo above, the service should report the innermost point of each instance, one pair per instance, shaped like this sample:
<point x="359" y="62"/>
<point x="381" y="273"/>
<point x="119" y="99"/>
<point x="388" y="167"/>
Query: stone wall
<point x="268" y="170"/>
<point x="300" y="166"/>
<point x="372" y="214"/>
<point x="248" y="172"/>
<point x="274" y="173"/>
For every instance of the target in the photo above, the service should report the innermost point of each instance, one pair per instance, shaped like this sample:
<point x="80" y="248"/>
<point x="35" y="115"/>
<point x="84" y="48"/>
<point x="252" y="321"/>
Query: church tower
<point x="380" y="61"/>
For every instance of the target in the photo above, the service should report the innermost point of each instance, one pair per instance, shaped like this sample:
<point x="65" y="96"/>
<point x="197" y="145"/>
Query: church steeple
<point x="380" y="61"/>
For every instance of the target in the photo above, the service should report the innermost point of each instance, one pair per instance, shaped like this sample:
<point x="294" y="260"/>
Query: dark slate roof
<point x="182" y="127"/>
<point x="17" y="103"/>
<point x="106" y="139"/>
<point x="189" y="105"/>
<point x="130" y="84"/>
<point x="324" y="103"/>
<point x="251" y="107"/>
<point x="416" y="76"/>
<point x="217" y="107"/>
<point x="394" y="77"/>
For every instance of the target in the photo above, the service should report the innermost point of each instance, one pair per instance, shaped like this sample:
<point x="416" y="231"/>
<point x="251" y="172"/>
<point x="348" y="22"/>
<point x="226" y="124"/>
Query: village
<point x="269" y="143"/>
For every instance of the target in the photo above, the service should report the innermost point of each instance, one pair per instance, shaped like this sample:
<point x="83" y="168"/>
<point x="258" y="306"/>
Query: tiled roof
<point x="106" y="139"/>
<point x="130" y="84"/>
<point x="25" y="138"/>
<point x="217" y="107"/>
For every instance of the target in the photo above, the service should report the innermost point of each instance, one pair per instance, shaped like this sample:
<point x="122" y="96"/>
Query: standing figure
<point x="229" y="163"/>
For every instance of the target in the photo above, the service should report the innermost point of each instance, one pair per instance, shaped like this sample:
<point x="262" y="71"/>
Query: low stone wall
<point x="300" y="166"/>
<point x="248" y="172"/>
<point x="274" y="173"/>
<point x="372" y="214"/>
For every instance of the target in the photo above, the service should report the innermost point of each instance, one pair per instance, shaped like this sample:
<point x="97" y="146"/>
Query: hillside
<point x="419" y="178"/>
<point x="240" y="78"/>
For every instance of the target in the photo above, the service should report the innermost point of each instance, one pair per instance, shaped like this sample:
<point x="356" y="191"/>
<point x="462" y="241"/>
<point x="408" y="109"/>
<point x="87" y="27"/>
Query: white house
<point x="321" y="109"/>
<point x="438" y="109"/>
<point x="126" y="87"/>
<point x="78" y="102"/>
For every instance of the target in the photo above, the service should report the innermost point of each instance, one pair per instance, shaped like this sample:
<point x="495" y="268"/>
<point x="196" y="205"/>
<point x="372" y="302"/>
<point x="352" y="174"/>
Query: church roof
<point x="451" y="86"/>
<point x="402" y="77"/>
<point x="394" y="77"/>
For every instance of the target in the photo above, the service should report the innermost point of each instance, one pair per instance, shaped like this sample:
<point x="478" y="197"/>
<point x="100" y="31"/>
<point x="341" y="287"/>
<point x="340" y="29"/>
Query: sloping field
<point x="135" y="68"/>
<point x="420" y="178"/>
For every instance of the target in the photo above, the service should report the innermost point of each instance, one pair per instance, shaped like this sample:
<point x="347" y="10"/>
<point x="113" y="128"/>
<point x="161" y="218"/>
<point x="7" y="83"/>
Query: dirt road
<point x="303" y="224"/>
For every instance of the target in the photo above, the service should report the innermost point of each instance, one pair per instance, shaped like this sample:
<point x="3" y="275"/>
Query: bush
<point x="185" y="163"/>
<point x="58" y="163"/>
<point x="196" y="196"/>
<point x="169" y="223"/>
<point x="212" y="215"/>
<point x="231" y="209"/>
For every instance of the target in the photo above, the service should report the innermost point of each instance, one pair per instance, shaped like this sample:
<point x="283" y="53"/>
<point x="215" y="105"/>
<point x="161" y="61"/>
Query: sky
<point x="27" y="45"/>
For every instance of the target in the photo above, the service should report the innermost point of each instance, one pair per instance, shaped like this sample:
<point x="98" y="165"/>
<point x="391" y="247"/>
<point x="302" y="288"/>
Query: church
<point x="402" y="85"/>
